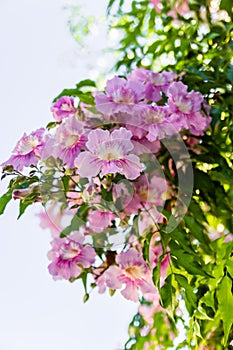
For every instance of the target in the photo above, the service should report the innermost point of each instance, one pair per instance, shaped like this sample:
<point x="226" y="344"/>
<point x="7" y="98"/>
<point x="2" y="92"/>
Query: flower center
<point x="135" y="272"/>
<point x="184" y="105"/>
<point x="70" y="251"/>
<point x="27" y="145"/>
<point x="123" y="96"/>
<point x="157" y="79"/>
<point x="109" y="151"/>
<point x="111" y="156"/>
<point x="71" y="140"/>
<point x="143" y="193"/>
<point x="65" y="107"/>
<point x="154" y="117"/>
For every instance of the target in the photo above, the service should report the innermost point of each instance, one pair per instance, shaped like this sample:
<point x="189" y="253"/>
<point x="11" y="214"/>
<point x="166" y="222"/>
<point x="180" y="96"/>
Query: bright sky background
<point x="38" y="59"/>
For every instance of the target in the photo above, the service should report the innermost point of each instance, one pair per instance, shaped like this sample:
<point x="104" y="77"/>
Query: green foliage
<point x="82" y="91"/>
<point x="225" y="303"/>
<point x="4" y="200"/>
<point x="199" y="49"/>
<point x="25" y="186"/>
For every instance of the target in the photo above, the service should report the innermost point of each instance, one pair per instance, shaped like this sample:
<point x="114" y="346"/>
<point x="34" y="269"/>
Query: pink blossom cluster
<point x="179" y="7"/>
<point x="105" y="160"/>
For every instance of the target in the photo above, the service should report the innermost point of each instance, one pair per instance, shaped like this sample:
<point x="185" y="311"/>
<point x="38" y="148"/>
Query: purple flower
<point x="69" y="256"/>
<point x="70" y="138"/>
<point x="63" y="108"/>
<point x="155" y="120"/>
<point x="180" y="100"/>
<point x="109" y="153"/>
<point x="155" y="83"/>
<point x="132" y="272"/>
<point x="27" y="151"/>
<point x="99" y="220"/>
<point x="186" y="108"/>
<point x="122" y="95"/>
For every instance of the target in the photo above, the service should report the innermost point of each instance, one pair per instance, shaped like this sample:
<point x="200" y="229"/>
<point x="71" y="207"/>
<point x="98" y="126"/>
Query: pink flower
<point x="109" y="153"/>
<point x="145" y="195"/>
<point x="155" y="83"/>
<point x="132" y="272"/>
<point x="69" y="256"/>
<point x="157" y="4"/>
<point x="155" y="119"/>
<point x="27" y="151"/>
<point x="144" y="146"/>
<point x="186" y="109"/>
<point x="70" y="138"/>
<point x="182" y="101"/>
<point x="63" y="108"/>
<point x="181" y="8"/>
<point x="99" y="220"/>
<point x="122" y="96"/>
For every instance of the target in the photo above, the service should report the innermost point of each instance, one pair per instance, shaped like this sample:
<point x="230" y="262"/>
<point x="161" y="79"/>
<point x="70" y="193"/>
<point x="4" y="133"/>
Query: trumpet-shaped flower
<point x="99" y="219"/>
<point x="155" y="83"/>
<point x="121" y="96"/>
<point x="186" y="108"/>
<point x="69" y="256"/>
<point x="63" y="108"/>
<point x="132" y="272"/>
<point x="27" y="151"/>
<point x="109" y="153"/>
<point x="69" y="140"/>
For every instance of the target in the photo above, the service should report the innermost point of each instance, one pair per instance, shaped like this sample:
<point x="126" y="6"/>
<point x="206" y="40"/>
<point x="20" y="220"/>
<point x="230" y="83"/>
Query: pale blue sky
<point x="38" y="59"/>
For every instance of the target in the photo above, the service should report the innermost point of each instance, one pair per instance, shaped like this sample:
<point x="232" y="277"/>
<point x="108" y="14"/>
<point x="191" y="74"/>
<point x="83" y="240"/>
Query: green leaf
<point x="225" y="305"/>
<point x="208" y="300"/>
<point x="196" y="230"/>
<point x="226" y="5"/>
<point x="86" y="98"/>
<point x="76" y="223"/>
<point x="230" y="266"/>
<point x="84" y="280"/>
<point x="229" y="73"/>
<point x="22" y="207"/>
<point x="183" y="259"/>
<point x="168" y="299"/>
<point x="111" y="2"/>
<point x="4" y="200"/>
<point x="156" y="272"/>
<point x="191" y="298"/>
<point x="146" y="247"/>
<point x="166" y="292"/>
<point x="85" y="82"/>
<point x="67" y="92"/>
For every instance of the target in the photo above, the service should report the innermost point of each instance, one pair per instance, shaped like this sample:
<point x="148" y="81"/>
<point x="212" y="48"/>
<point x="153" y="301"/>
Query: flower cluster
<point x="100" y="181"/>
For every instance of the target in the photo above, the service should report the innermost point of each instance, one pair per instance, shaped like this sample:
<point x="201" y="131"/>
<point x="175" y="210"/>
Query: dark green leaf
<point x="86" y="82"/>
<point x="146" y="247"/>
<point x="196" y="230"/>
<point x="22" y="207"/>
<point x="229" y="73"/>
<point x="191" y="298"/>
<point x="4" y="200"/>
<point x="225" y="305"/>
<point x="226" y="5"/>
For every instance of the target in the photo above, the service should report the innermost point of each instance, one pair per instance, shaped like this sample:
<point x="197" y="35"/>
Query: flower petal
<point x="88" y="164"/>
